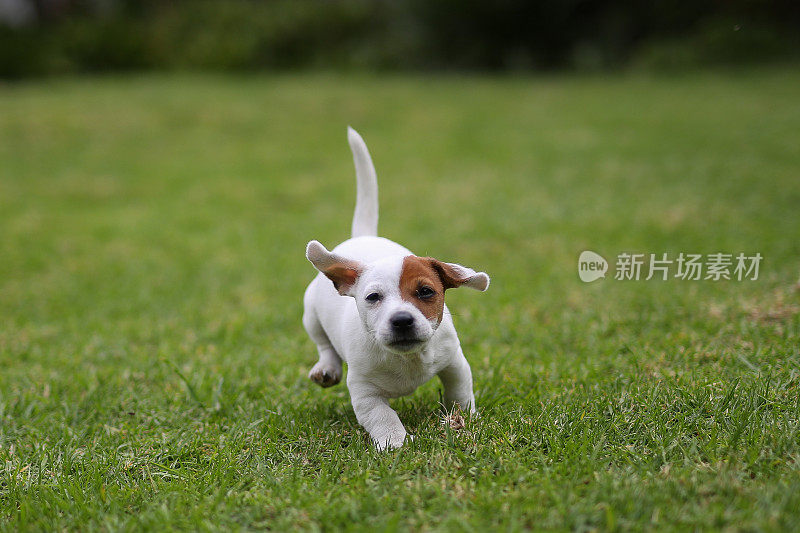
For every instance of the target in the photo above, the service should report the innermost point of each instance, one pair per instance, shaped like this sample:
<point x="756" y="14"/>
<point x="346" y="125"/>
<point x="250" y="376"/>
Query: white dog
<point x="384" y="315"/>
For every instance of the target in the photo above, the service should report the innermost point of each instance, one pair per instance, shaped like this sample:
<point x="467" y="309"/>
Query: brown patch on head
<point x="418" y="273"/>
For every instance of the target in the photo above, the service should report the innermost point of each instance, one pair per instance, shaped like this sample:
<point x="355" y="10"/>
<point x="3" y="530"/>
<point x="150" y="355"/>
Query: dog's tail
<point x="365" y="218"/>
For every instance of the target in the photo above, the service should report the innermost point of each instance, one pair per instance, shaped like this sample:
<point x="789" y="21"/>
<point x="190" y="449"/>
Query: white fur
<point x="365" y="218"/>
<point x="349" y="328"/>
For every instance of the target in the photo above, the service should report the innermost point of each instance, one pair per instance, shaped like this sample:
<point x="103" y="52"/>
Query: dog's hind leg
<point x="328" y="370"/>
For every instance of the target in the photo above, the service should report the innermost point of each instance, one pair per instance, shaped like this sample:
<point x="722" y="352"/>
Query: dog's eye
<point x="425" y="293"/>
<point x="374" y="297"/>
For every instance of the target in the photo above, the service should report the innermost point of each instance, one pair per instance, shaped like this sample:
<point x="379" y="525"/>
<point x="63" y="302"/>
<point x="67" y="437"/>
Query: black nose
<point x="402" y="321"/>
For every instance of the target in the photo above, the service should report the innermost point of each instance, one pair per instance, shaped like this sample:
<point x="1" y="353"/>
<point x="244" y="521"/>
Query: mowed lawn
<point x="153" y="363"/>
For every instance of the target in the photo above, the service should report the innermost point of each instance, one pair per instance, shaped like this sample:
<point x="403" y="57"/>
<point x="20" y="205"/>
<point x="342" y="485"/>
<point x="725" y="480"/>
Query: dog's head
<point x="400" y="299"/>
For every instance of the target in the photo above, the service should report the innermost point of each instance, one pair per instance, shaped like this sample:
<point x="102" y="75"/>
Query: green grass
<point x="153" y="364"/>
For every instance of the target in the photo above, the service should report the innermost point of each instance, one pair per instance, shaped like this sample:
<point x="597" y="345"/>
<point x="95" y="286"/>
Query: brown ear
<point x="341" y="271"/>
<point x="453" y="275"/>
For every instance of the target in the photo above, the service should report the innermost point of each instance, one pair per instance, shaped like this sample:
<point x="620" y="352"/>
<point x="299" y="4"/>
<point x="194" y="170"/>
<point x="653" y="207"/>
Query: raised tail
<point x="365" y="218"/>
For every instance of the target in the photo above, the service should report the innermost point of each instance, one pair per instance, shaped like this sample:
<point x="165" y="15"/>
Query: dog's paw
<point x="324" y="375"/>
<point x="393" y="442"/>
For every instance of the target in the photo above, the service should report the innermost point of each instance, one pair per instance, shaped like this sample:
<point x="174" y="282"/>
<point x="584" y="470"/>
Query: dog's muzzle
<point x="402" y="323"/>
<point x="404" y="334"/>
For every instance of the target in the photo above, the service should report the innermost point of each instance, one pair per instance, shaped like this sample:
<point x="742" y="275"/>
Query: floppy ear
<point x="341" y="271"/>
<point x="453" y="275"/>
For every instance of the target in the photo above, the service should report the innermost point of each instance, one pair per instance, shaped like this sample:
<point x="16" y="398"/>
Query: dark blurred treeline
<point x="65" y="36"/>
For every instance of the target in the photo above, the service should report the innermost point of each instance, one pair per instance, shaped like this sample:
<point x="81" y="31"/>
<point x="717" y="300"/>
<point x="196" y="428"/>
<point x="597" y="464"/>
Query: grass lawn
<point x="153" y="364"/>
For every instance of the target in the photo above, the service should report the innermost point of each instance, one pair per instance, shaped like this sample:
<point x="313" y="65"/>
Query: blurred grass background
<point x="153" y="364"/>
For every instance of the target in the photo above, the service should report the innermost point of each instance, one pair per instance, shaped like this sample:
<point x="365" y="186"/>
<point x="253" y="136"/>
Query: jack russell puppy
<point x="380" y="309"/>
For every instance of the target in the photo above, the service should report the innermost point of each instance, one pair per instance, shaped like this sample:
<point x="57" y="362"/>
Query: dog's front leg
<point x="380" y="420"/>
<point x="457" y="381"/>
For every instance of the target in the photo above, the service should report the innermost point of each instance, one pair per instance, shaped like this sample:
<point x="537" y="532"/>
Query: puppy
<point x="380" y="309"/>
